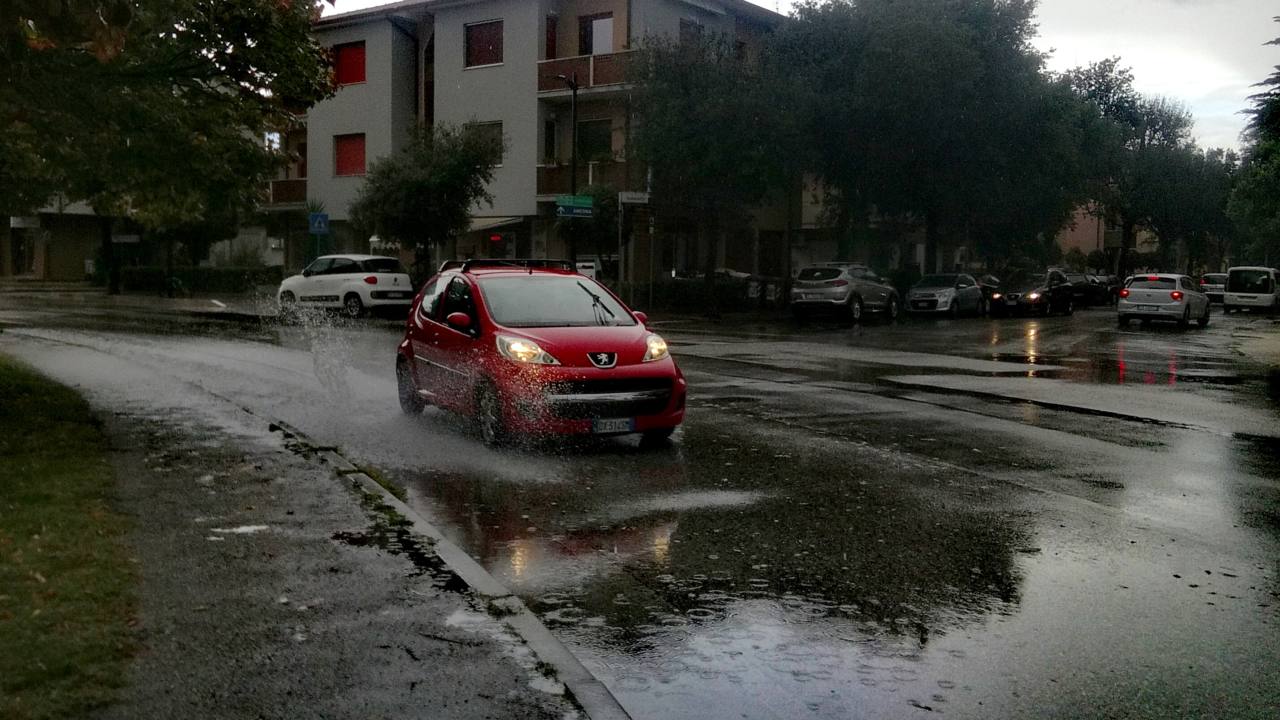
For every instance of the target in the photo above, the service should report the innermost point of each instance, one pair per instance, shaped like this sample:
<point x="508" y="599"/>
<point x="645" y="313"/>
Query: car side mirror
<point x="641" y="317"/>
<point x="306" y="273"/>
<point x="459" y="320"/>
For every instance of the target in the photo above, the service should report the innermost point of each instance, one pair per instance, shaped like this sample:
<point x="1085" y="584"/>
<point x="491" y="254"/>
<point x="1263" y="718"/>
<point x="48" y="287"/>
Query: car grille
<point x="1014" y="296"/>
<point x="924" y="304"/>
<point x="609" y="398"/>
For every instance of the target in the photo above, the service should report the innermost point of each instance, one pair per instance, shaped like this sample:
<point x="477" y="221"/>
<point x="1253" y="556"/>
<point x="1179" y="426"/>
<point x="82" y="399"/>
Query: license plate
<point x="921" y="304"/>
<point x="1149" y="308"/>
<point x="614" y="425"/>
<point x="1011" y="302"/>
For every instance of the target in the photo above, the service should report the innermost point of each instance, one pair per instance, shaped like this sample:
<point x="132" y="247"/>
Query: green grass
<point x="66" y="582"/>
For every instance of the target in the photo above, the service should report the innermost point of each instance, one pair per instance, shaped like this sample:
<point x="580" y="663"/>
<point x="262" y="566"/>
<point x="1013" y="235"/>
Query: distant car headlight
<point x="657" y="348"/>
<point x="1033" y="296"/>
<point x="996" y="296"/>
<point x="524" y="351"/>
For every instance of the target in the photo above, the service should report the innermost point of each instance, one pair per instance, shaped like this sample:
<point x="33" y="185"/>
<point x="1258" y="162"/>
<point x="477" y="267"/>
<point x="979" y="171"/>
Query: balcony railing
<point x="593" y="71"/>
<point x="288" y="192"/>
<point x="554" y="179"/>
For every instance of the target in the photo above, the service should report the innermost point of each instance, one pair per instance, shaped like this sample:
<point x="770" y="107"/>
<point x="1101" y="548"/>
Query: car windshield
<point x="1216" y="278"/>
<point x="1024" y="281"/>
<point x="383" y="265"/>
<point x="1077" y="278"/>
<point x="1249" y="281"/>
<point x="551" y="301"/>
<point x="937" y="281"/>
<point x="1153" y="283"/>
<point x="818" y="274"/>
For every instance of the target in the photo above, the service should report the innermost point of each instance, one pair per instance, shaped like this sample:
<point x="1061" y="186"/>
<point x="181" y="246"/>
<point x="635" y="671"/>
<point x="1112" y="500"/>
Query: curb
<point x="585" y="688"/>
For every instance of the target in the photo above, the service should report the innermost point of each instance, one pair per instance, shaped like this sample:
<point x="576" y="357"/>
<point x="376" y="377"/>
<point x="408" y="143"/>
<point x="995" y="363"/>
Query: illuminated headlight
<point x="657" y="348"/>
<point x="1033" y="297"/>
<point x="996" y="296"/>
<point x="524" y="351"/>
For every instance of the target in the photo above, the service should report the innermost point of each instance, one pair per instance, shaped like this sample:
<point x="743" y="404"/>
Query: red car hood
<point x="572" y="345"/>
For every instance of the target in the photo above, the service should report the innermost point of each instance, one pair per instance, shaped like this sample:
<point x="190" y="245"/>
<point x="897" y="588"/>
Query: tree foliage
<point x="1255" y="200"/>
<point x="423" y="196"/>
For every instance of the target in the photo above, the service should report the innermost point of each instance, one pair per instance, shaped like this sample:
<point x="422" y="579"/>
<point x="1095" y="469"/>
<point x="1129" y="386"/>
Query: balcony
<point x="554" y="179"/>
<point x="594" y="71"/>
<point x="288" y="192"/>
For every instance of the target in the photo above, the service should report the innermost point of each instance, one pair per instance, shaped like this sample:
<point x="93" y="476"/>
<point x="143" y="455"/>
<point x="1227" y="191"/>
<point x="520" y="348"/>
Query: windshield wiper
<point x="597" y="305"/>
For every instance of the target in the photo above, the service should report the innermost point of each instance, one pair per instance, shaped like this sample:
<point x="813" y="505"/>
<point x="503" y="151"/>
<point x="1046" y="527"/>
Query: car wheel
<point x="1204" y="319"/>
<point x="1071" y="308"/>
<point x="1185" y="320"/>
<point x="1122" y="321"/>
<point x="953" y="310"/>
<point x="855" y="310"/>
<point x="352" y="306"/>
<point x="655" y="438"/>
<point x="1226" y="309"/>
<point x="288" y="305"/>
<point x="410" y="401"/>
<point x="892" y="310"/>
<point x="493" y="430"/>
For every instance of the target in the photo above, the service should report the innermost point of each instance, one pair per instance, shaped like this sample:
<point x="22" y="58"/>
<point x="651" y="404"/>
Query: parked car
<point x="1251" y="288"/>
<point x="1162" y="296"/>
<point x="1039" y="293"/>
<point x="1104" y="289"/>
<point x="951" y="294"/>
<point x="531" y="351"/>
<point x="354" y="283"/>
<point x="846" y="289"/>
<point x="1083" y="292"/>
<point x="1214" y="285"/>
<point x="990" y="287"/>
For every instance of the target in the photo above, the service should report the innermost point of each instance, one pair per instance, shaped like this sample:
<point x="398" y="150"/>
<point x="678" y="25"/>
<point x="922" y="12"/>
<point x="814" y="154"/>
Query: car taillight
<point x="1124" y="292"/>
<point x="1203" y="281"/>
<point x="1176" y="295"/>
<point x="839" y="283"/>
<point x="371" y="279"/>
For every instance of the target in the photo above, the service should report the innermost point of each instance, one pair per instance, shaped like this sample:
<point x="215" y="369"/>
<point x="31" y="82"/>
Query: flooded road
<point x="980" y="519"/>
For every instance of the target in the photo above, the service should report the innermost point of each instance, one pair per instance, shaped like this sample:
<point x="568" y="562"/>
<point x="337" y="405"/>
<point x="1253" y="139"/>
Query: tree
<point x="1255" y="199"/>
<point x="710" y="132"/>
<point x="423" y="195"/>
<point x="109" y="101"/>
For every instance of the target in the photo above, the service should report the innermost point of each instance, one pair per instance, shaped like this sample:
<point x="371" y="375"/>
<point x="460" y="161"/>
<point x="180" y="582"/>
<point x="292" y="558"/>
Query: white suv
<point x="1162" y="296"/>
<point x="355" y="283"/>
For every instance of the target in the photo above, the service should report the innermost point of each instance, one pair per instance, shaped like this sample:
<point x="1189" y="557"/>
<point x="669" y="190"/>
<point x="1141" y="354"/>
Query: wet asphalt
<point x="1047" y="517"/>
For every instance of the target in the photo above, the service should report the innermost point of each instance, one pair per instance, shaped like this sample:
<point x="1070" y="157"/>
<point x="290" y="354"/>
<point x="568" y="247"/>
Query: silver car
<point x="1162" y="296"/>
<point x="846" y="289"/>
<point x="948" y="293"/>
<point x="1213" y="285"/>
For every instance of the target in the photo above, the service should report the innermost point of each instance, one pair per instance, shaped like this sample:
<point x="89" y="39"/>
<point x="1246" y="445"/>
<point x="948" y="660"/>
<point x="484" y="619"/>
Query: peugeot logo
<point x="603" y="359"/>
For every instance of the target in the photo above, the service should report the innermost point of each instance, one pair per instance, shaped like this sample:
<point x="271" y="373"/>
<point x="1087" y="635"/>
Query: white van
<point x="1252" y="288"/>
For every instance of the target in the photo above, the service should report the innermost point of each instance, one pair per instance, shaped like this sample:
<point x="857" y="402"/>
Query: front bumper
<point x="568" y="401"/>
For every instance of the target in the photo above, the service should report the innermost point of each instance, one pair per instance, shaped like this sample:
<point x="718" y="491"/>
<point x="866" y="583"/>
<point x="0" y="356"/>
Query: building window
<point x="552" y="22"/>
<point x="483" y="43"/>
<point x="595" y="140"/>
<point x="549" y="142"/>
<point x="595" y="34"/>
<point x="491" y="132"/>
<point x="348" y="154"/>
<point x="348" y="63"/>
<point x="300" y="167"/>
<point x="690" y="31"/>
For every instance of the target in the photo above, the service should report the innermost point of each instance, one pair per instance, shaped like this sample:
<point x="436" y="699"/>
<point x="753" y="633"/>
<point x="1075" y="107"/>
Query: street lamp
<point x="572" y="82"/>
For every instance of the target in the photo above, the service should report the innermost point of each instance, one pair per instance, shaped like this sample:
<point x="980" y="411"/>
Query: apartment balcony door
<point x="595" y="34"/>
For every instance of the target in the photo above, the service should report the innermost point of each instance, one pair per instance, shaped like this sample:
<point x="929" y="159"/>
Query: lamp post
<point x="572" y="82"/>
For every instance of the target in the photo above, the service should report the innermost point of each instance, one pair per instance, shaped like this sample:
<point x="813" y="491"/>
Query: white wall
<point x="506" y="93"/>
<point x="662" y="17"/>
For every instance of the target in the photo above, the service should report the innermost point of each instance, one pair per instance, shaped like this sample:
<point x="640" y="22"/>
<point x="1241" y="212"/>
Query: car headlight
<point x="657" y="348"/>
<point x="945" y="294"/>
<point x="1033" y="296"/>
<point x="524" y="351"/>
<point x="996" y="296"/>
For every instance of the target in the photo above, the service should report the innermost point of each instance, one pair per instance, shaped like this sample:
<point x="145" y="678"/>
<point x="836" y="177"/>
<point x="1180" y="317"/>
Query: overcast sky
<point x="1205" y="53"/>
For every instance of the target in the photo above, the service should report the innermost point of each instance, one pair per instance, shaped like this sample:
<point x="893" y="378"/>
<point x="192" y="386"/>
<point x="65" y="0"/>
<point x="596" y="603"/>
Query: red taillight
<point x="1153" y="277"/>
<point x="1176" y="295"/>
<point x="839" y="283"/>
<point x="371" y="279"/>
<point x="1124" y="292"/>
<point x="1203" y="281"/>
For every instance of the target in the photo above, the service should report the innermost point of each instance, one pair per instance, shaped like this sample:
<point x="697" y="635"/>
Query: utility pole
<point x="572" y="82"/>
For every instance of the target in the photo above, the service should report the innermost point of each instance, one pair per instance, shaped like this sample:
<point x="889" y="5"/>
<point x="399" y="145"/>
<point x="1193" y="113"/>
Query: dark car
<point x="1035" y="294"/>
<point x="1084" y="291"/>
<point x="990" y="286"/>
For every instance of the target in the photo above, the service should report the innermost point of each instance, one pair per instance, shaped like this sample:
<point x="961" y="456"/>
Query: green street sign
<point x="576" y="201"/>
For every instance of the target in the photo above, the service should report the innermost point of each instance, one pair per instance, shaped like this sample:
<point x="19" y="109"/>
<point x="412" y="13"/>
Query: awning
<point x="486" y="223"/>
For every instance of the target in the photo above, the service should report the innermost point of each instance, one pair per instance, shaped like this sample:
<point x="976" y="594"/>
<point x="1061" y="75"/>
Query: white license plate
<point x="613" y="425"/>
<point x="1149" y="308"/>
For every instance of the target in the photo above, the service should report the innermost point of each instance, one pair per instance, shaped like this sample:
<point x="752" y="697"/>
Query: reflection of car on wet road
<point x="355" y="283"/>
<point x="1251" y="288"/>
<point x="1162" y="296"/>
<point x="1034" y="294"/>
<point x="952" y="294"/>
<point x="536" y="351"/>
<point x="845" y="289"/>
<point x="1213" y="285"/>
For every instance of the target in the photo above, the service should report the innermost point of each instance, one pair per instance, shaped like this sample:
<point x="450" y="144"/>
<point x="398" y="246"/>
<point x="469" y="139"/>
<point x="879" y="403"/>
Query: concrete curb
<point x="587" y="690"/>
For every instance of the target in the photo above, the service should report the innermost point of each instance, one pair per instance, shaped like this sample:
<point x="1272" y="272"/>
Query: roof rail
<point x="472" y="263"/>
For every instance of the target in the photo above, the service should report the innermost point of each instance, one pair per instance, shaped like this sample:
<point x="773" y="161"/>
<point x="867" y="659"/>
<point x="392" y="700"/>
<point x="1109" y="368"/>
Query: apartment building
<point x="499" y="64"/>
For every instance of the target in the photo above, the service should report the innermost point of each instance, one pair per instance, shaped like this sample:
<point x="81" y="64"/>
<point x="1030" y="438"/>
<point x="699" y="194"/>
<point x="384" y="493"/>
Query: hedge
<point x="198" y="279"/>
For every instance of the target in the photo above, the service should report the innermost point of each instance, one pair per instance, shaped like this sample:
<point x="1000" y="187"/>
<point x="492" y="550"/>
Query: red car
<point x="536" y="349"/>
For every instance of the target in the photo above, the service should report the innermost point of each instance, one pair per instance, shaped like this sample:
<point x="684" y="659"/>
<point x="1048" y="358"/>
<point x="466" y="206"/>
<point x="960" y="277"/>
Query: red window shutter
<point x="348" y="154"/>
<point x="484" y="43"/>
<point x="552" y="20"/>
<point x="349" y="63"/>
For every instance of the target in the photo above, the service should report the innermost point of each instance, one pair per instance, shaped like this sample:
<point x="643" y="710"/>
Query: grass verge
<point x="66" y="583"/>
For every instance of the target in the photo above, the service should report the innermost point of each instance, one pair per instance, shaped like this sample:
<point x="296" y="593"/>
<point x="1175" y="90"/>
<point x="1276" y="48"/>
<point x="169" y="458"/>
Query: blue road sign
<point x="319" y="223"/>
<point x="574" y="212"/>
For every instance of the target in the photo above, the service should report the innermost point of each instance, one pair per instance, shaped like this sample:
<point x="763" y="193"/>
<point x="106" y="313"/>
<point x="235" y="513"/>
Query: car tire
<point x="854" y="313"/>
<point x="655" y="438"/>
<point x="1122" y="321"/>
<point x="1204" y="319"/>
<point x="288" y="306"/>
<point x="1071" y="308"/>
<point x="1185" y="320"/>
<point x="1226" y="309"/>
<point x="411" y="403"/>
<point x="892" y="310"/>
<point x="352" y="305"/>
<point x="953" y="310"/>
<point x="489" y="420"/>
